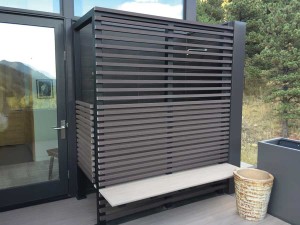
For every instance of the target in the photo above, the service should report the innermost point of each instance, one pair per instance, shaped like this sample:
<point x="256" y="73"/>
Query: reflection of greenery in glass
<point x="18" y="88"/>
<point x="30" y="102"/>
<point x="49" y="103"/>
<point x="15" y="103"/>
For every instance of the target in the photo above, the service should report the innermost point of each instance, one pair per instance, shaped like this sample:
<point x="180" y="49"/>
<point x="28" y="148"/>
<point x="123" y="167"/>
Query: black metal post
<point x="236" y="95"/>
<point x="190" y="10"/>
<point x="96" y="104"/>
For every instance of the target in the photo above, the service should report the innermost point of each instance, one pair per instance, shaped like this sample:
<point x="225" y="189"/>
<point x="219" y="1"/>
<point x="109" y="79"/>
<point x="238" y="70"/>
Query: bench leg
<point x="51" y="168"/>
<point x="230" y="189"/>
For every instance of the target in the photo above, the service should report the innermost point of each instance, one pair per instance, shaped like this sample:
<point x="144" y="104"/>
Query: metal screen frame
<point x="236" y="39"/>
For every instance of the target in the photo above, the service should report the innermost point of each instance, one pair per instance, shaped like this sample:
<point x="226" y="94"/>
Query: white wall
<point x="44" y="135"/>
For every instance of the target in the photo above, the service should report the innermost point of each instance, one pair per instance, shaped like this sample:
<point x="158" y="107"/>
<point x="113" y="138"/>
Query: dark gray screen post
<point x="236" y="95"/>
<point x="190" y="10"/>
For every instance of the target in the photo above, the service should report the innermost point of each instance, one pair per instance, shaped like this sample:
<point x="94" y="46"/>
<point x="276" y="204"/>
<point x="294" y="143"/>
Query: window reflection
<point x="38" y="5"/>
<point x="28" y="144"/>
<point x="166" y="8"/>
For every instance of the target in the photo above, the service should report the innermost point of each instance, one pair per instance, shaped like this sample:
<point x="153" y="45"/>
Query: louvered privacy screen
<point x="162" y="92"/>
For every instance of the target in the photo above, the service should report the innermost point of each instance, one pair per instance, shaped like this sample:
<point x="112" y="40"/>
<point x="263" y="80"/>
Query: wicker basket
<point x="253" y="189"/>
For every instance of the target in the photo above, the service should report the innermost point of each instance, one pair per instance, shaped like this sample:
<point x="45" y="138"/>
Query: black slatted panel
<point x="85" y="138"/>
<point x="162" y="92"/>
<point x="164" y="96"/>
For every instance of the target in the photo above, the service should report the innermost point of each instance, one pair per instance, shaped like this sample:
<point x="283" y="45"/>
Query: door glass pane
<point x="166" y="8"/>
<point x="28" y="108"/>
<point x="52" y="6"/>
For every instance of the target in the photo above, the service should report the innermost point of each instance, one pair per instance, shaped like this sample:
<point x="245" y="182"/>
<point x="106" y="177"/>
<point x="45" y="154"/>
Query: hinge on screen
<point x="65" y="55"/>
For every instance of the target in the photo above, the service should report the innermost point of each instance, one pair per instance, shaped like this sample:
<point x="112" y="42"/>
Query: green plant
<point x="279" y="60"/>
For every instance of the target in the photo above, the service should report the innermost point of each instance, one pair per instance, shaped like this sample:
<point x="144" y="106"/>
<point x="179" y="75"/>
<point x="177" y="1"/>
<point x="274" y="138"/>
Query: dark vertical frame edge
<point x="99" y="222"/>
<point x="67" y="10"/>
<point x="80" y="180"/>
<point x="236" y="96"/>
<point x="190" y="10"/>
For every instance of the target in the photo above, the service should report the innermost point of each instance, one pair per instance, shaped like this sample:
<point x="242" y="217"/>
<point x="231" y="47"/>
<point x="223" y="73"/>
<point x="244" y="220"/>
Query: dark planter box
<point x="281" y="157"/>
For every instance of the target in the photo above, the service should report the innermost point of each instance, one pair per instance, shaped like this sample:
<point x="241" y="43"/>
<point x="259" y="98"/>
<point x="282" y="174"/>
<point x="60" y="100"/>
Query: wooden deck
<point x="219" y="210"/>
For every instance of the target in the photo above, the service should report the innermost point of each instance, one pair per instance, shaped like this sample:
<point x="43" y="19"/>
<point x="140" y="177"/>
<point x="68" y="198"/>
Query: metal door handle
<point x="63" y="126"/>
<point x="59" y="128"/>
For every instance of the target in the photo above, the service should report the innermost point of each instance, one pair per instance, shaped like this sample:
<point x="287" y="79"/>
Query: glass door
<point x="33" y="148"/>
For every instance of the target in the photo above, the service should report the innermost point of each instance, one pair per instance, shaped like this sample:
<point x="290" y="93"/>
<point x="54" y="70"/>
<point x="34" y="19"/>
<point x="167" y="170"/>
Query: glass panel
<point x="28" y="143"/>
<point x="167" y="8"/>
<point x="38" y="5"/>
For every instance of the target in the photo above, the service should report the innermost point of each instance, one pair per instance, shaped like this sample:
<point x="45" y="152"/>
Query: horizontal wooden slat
<point x="156" y="149"/>
<point x="162" y="153"/>
<point x="84" y="120"/>
<point x="178" y="166"/>
<point x="182" y="67"/>
<point x="88" y="136"/>
<point x="198" y="163"/>
<point x="204" y="142"/>
<point x="166" y="159"/>
<point x="157" y="25"/>
<point x="84" y="125"/>
<point x="105" y="12"/>
<point x="159" y="34"/>
<point x="161" y="120"/>
<point x="84" y="158"/>
<point x="84" y="114"/>
<point x="86" y="172"/>
<point x="164" y="167"/>
<point x="118" y="98"/>
<point x="160" y="109"/>
<point x="87" y="151"/>
<point x="173" y="135"/>
<point x="84" y="110"/>
<point x="85" y="146"/>
<point x="113" y="90"/>
<point x="180" y="103"/>
<point x="156" y="58"/>
<point x="116" y="81"/>
<point x="164" y="74"/>
<point x="84" y="129"/>
<point x="160" y="114"/>
<point x="168" y="128"/>
<point x="176" y="142"/>
<point x="145" y="49"/>
<point x="168" y="43"/>
<point x="84" y="104"/>
<point x="207" y="122"/>
<point x="156" y="171"/>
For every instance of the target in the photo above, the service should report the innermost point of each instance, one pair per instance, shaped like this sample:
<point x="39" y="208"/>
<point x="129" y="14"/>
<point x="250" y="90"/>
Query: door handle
<point x="62" y="128"/>
<point x="59" y="128"/>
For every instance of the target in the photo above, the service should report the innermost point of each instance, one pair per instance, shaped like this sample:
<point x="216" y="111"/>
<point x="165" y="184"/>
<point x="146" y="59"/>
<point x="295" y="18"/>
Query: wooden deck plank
<point x="146" y="188"/>
<point x="219" y="210"/>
